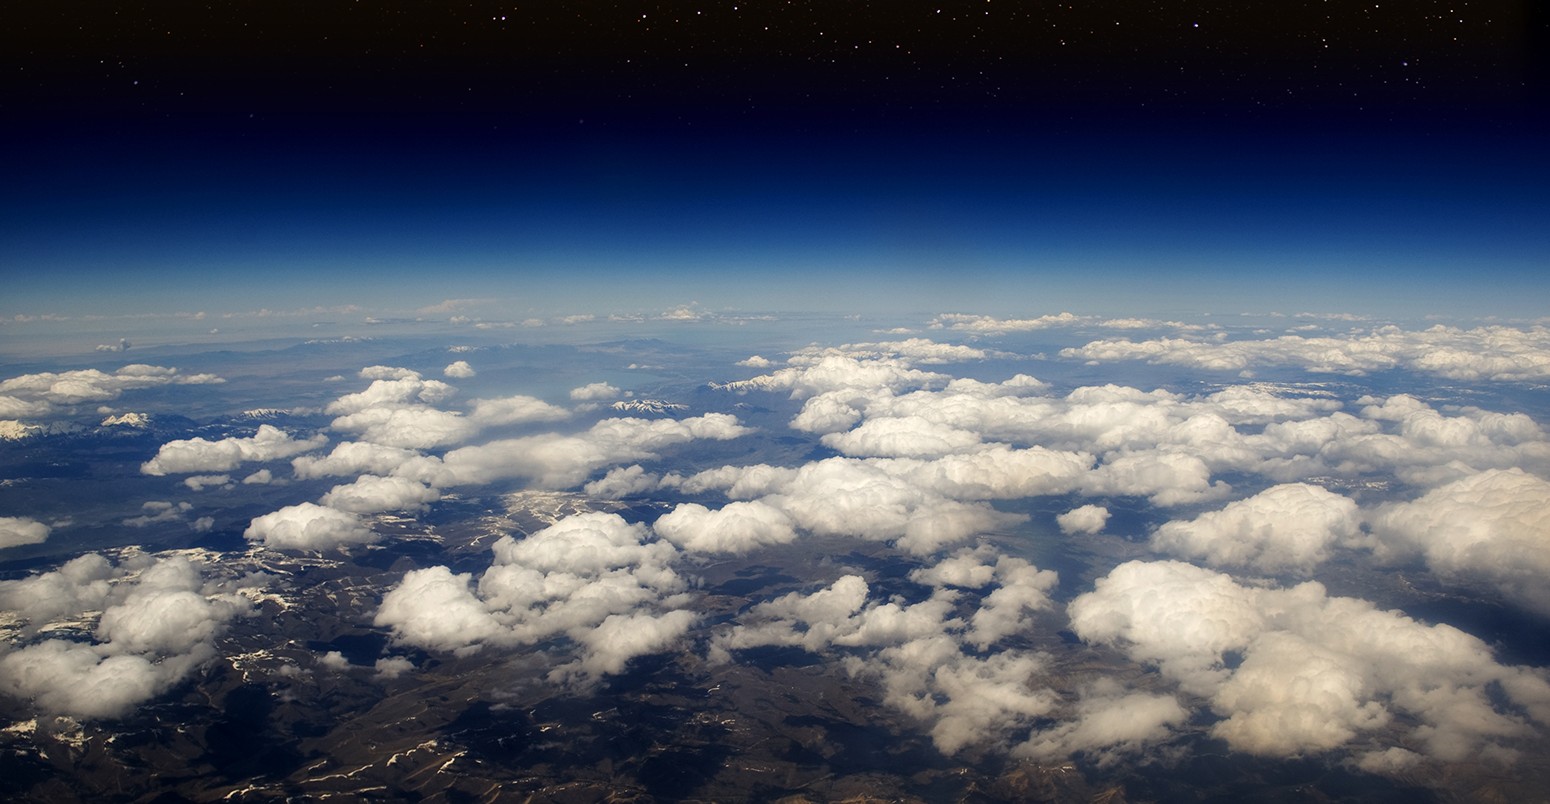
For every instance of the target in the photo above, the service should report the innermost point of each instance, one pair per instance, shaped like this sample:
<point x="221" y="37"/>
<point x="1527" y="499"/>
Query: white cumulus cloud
<point x="1084" y="519"/>
<point x="19" y="530"/>
<point x="158" y="623"/>
<point x="1287" y="527"/>
<point x="1293" y="671"/>
<point x="1490" y="528"/>
<point x="193" y="455"/>
<point x="308" y="526"/>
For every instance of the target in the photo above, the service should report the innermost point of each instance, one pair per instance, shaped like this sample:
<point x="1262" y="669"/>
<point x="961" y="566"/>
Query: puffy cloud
<point x="77" y="680"/>
<point x="907" y="437"/>
<point x="1177" y="616"/>
<point x="736" y="528"/>
<point x="1085" y="519"/>
<point x="917" y="652"/>
<point x="836" y="371"/>
<point x="1314" y="672"/>
<point x="988" y="325"/>
<point x="515" y="410"/>
<point x="621" y="637"/>
<point x="81" y="584"/>
<point x="966" y="700"/>
<point x="844" y="497"/>
<point x="837" y="615"/>
<point x="1286" y="527"/>
<point x="388" y="373"/>
<point x="1109" y="723"/>
<point x="913" y="351"/>
<point x="1023" y="590"/>
<point x="435" y="609"/>
<point x="560" y="461"/>
<point x="1169" y="478"/>
<point x="370" y="494"/>
<point x="1484" y="353"/>
<point x="998" y="473"/>
<point x="603" y="583"/>
<point x="624" y="481"/>
<point x="459" y="370"/>
<point x="262" y="477"/>
<point x="334" y="660"/>
<point x="158" y="623"/>
<point x="308" y="526"/>
<point x="389" y="667"/>
<point x="830" y="412"/>
<point x="354" y="458"/>
<point x="37" y="395"/>
<point x="1490" y="528"/>
<point x="595" y="392"/>
<point x="19" y="530"/>
<point x="192" y="455"/>
<point x="395" y="410"/>
<point x="1262" y="403"/>
<point x="413" y="427"/>
<point x="158" y="511"/>
<point x="201" y="482"/>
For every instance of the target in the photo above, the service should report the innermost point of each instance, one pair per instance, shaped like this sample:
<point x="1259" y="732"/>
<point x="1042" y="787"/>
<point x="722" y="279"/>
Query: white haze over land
<point x="1214" y="532"/>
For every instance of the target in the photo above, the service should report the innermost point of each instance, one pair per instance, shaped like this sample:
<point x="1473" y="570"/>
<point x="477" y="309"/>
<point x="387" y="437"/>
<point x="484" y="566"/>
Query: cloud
<point x="157" y="511"/>
<point x="1167" y="478"/>
<point x="998" y="472"/>
<point x="846" y="497"/>
<point x="616" y="640"/>
<point x="158" y="623"/>
<point x="595" y="392"/>
<point x="562" y="461"/>
<point x="600" y="582"/>
<point x="396" y="410"/>
<point x="988" y="325"/>
<point x="620" y="482"/>
<point x="515" y="410"/>
<point x="370" y="494"/>
<point x="1312" y="673"/>
<point x="19" y="530"/>
<point x="1084" y="519"/>
<point x="308" y="526"/>
<point x="1287" y="527"/>
<point x="1490" y="529"/>
<point x="835" y="372"/>
<point x="81" y="584"/>
<point x="389" y="667"/>
<point x="1109" y="723"/>
<point x="917" y="652"/>
<point x="388" y="373"/>
<point x="435" y="609"/>
<point x="192" y="455"/>
<point x="913" y="351"/>
<point x="1485" y="353"/>
<point x="201" y="482"/>
<point x="735" y="528"/>
<point x="410" y="426"/>
<point x="905" y="437"/>
<point x="459" y="369"/>
<point x="42" y="394"/>
<point x="354" y="458"/>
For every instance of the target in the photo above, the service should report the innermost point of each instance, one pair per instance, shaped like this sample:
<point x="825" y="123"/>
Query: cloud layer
<point x="159" y="620"/>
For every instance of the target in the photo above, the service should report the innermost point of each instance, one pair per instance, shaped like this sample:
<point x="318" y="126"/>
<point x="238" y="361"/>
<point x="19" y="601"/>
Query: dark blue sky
<point x="984" y="156"/>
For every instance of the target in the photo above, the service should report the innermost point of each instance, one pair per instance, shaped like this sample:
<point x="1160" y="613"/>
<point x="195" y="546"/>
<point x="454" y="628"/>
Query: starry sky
<point x="849" y="156"/>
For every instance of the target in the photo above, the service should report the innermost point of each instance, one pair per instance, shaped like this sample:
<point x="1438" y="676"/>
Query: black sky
<point x="316" y="71"/>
